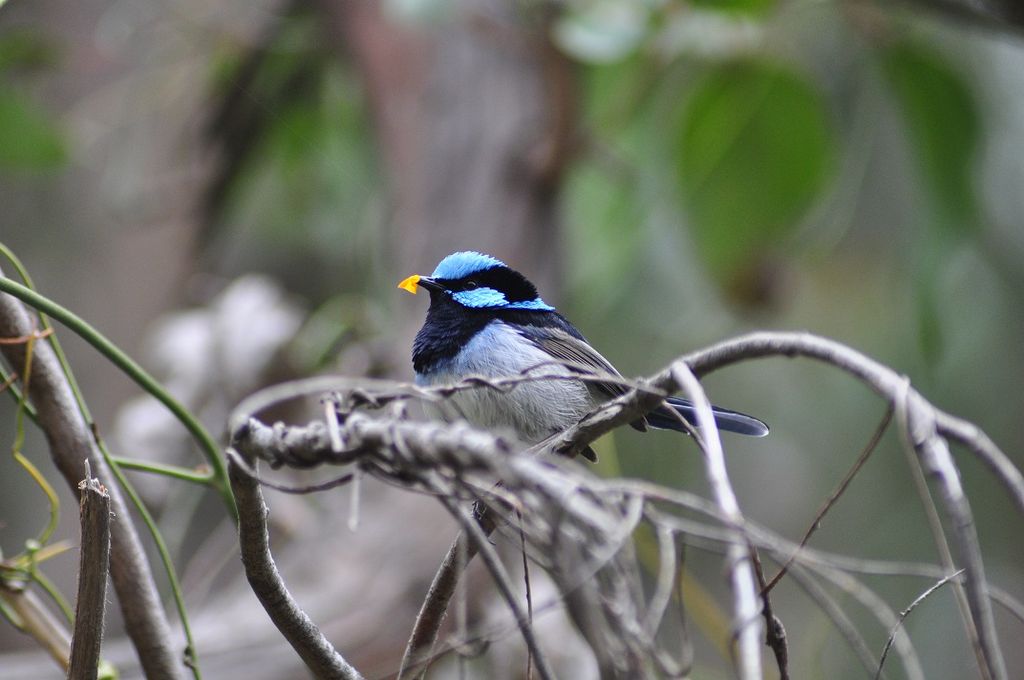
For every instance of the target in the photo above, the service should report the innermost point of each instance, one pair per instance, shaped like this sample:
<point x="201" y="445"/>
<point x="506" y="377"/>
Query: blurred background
<point x="230" y="191"/>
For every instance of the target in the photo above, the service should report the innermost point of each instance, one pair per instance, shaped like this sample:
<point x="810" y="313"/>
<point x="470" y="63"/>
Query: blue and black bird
<point x="487" y="319"/>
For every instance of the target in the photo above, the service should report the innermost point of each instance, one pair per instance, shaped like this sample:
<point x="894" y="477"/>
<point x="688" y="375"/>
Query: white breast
<point x="532" y="410"/>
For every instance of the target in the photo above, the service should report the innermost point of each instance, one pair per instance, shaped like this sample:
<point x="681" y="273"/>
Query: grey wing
<point x="574" y="351"/>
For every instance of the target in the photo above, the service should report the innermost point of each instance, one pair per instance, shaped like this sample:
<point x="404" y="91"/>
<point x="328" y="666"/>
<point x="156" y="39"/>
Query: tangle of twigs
<point x="580" y="528"/>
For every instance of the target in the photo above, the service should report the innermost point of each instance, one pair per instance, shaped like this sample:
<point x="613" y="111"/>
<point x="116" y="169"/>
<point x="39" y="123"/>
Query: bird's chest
<point x="533" y="410"/>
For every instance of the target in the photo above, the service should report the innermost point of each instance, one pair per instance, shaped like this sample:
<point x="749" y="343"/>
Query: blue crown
<point x="459" y="265"/>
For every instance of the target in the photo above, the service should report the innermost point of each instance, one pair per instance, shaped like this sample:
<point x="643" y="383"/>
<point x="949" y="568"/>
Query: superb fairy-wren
<point x="487" y="319"/>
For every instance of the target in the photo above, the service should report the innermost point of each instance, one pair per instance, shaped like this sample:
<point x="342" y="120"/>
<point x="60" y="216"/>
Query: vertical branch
<point x="931" y="511"/>
<point x="741" y="570"/>
<point x="439" y="595"/>
<point x="502" y="580"/>
<point x="93" y="565"/>
<point x="776" y="637"/>
<point x="936" y="459"/>
<point x="434" y="607"/>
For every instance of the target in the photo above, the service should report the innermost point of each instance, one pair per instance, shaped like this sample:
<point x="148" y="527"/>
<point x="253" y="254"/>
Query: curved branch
<point x="905" y="613"/>
<point x="218" y="475"/>
<point x="882" y="380"/>
<point x="305" y="638"/>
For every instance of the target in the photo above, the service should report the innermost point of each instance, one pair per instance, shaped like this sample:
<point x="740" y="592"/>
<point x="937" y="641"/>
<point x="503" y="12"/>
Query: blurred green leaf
<point x="26" y="49"/>
<point x="305" y="188"/>
<point x="29" y="140"/>
<point x="604" y="214"/>
<point x="943" y="126"/>
<point x="929" y="323"/>
<point x="296" y="132"/>
<point x="753" y="152"/>
<point x="736" y="6"/>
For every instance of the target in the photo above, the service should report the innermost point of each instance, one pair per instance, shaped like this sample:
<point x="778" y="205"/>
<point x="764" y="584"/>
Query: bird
<point x="486" y="319"/>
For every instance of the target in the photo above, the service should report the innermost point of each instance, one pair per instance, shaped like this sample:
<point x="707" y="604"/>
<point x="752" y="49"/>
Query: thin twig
<point x="529" y="590"/>
<point x="775" y="636"/>
<point x="666" y="580"/>
<point x="835" y="495"/>
<point x="906" y="612"/>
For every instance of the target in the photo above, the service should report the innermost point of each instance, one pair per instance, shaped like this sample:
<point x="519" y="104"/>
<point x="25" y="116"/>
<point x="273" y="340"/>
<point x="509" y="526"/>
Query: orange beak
<point x="409" y="283"/>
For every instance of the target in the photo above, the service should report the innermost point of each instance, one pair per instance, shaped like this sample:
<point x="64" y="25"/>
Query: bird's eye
<point x="470" y="285"/>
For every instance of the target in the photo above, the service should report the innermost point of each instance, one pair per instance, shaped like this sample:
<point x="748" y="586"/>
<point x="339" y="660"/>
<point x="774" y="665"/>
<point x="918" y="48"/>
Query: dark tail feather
<point x="728" y="421"/>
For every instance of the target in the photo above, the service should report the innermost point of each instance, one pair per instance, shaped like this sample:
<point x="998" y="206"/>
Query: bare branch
<point x="931" y="511"/>
<point x="937" y="461"/>
<point x="504" y="582"/>
<point x="922" y="421"/>
<point x="978" y="442"/>
<point x="746" y="606"/>
<point x="90" y="605"/>
<point x="775" y="632"/>
<point x="316" y="651"/>
<point x="435" y="604"/>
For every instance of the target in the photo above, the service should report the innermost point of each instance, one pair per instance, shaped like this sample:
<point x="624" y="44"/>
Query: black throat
<point x="450" y="326"/>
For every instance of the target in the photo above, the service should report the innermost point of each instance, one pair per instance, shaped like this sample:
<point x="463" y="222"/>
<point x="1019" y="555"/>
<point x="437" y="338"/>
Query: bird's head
<point x="477" y="281"/>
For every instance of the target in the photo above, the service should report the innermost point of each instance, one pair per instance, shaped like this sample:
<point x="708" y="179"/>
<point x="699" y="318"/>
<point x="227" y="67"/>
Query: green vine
<point x="218" y="472"/>
<point x="214" y="476"/>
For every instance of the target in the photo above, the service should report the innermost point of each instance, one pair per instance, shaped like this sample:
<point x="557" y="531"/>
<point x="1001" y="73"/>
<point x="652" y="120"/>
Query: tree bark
<point x="474" y="120"/>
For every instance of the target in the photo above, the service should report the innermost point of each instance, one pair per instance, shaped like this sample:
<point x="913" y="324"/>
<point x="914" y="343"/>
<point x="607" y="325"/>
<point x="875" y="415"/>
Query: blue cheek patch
<point x="481" y="298"/>
<point x="536" y="304"/>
